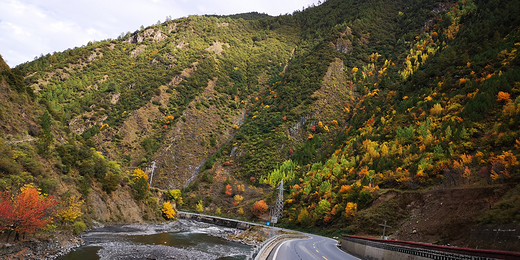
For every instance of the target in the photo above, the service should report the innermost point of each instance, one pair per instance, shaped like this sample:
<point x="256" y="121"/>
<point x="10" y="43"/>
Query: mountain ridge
<point x="345" y="101"/>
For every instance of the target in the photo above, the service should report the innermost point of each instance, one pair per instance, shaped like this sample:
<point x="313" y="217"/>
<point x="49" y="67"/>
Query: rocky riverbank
<point x="108" y="238"/>
<point x="48" y="248"/>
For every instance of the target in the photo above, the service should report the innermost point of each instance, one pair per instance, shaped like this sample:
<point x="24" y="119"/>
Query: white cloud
<point x="29" y="28"/>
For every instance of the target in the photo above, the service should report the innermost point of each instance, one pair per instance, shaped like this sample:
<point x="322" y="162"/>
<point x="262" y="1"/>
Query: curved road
<point x="313" y="248"/>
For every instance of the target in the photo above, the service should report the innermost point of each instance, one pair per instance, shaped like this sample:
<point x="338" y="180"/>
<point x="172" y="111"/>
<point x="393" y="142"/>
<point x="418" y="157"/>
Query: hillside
<point x="366" y="109"/>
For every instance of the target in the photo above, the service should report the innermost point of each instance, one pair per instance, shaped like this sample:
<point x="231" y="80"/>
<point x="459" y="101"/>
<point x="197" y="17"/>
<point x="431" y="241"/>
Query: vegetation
<point x="343" y="102"/>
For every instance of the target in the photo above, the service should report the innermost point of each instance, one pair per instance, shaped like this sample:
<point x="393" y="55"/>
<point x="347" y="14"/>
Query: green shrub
<point x="79" y="227"/>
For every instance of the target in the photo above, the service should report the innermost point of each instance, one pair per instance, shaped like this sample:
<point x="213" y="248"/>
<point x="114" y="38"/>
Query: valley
<point x="371" y="112"/>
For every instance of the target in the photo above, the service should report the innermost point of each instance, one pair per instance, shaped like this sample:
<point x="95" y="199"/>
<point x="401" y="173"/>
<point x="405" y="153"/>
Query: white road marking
<point x="276" y="252"/>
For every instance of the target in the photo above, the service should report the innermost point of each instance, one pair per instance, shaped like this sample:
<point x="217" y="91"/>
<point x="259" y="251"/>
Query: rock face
<point x="117" y="207"/>
<point x="344" y="43"/>
<point x="153" y="34"/>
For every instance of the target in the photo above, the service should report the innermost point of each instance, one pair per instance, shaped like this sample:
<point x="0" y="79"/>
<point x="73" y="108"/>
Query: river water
<point x="183" y="239"/>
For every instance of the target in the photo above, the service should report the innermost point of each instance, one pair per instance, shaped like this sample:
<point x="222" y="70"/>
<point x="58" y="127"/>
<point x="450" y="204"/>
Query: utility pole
<point x="277" y="212"/>
<point x="151" y="175"/>
<point x="384" y="229"/>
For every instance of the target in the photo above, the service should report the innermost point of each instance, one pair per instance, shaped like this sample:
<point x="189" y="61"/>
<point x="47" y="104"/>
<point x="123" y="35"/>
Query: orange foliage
<point x="168" y="119"/>
<point x="259" y="208"/>
<point x="229" y="190"/>
<point x="503" y="96"/>
<point x="345" y="188"/>
<point x="466" y="159"/>
<point x="26" y="212"/>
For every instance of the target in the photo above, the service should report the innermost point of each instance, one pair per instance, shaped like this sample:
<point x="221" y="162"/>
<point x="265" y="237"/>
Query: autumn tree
<point x="140" y="184"/>
<point x="168" y="211"/>
<point x="199" y="207"/>
<point x="259" y="208"/>
<point x="70" y="209"/>
<point x="26" y="212"/>
<point x="237" y="199"/>
<point x="350" y="209"/>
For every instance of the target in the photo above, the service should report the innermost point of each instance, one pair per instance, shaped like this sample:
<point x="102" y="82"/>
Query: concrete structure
<point x="378" y="249"/>
<point x="224" y="222"/>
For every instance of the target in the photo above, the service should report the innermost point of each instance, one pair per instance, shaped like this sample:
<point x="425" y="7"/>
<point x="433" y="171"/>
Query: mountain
<point x="369" y="110"/>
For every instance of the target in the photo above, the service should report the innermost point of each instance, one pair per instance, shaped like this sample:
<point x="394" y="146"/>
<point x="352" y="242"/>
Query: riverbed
<point x="182" y="239"/>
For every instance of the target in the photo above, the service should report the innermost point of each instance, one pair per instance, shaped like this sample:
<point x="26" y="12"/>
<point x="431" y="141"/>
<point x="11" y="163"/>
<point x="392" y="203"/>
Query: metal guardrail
<point x="267" y="246"/>
<point x="258" y="250"/>
<point x="432" y="251"/>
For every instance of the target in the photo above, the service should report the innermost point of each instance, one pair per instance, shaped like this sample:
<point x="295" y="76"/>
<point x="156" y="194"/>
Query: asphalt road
<point x="313" y="248"/>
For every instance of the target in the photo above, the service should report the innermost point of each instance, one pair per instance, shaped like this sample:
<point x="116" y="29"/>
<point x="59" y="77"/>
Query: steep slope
<point x="345" y="101"/>
<point x="31" y="143"/>
<point x="448" y="116"/>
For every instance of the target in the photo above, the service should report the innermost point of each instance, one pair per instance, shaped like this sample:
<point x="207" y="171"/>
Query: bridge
<point x="224" y="222"/>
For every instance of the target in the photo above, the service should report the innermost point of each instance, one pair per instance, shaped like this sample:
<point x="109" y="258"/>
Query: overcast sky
<point x="29" y="28"/>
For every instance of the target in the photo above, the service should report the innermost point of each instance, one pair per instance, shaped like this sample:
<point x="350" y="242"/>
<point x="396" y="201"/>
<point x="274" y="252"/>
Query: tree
<point x="70" y="209"/>
<point x="259" y="208"/>
<point x="25" y="212"/>
<point x="229" y="190"/>
<point x="168" y="211"/>
<point x="323" y="207"/>
<point x="199" y="207"/>
<point x="304" y="218"/>
<point x="350" y="209"/>
<point x="140" y="184"/>
<point x="237" y="199"/>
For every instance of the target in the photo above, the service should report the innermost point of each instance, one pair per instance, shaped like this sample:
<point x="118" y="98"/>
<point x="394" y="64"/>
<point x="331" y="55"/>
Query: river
<point x="183" y="239"/>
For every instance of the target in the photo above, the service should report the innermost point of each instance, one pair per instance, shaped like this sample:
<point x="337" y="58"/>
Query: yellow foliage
<point x="494" y="176"/>
<point x="240" y="211"/>
<point x="326" y="128"/>
<point x="168" y="119"/>
<point x="240" y="188"/>
<point x="238" y="198"/>
<point x="199" y="207"/>
<point x="510" y="109"/>
<point x="354" y="70"/>
<point x="350" y="209"/>
<point x="384" y="150"/>
<point x="168" y="211"/>
<point x="138" y="173"/>
<point x="71" y="209"/>
<point x="436" y="109"/>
